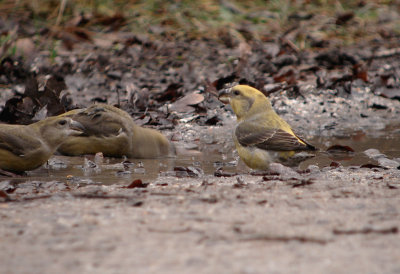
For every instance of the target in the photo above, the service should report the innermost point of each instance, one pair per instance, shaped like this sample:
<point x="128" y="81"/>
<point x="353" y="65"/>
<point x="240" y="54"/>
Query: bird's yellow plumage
<point x="28" y="147"/>
<point x="113" y="132"/>
<point x="261" y="136"/>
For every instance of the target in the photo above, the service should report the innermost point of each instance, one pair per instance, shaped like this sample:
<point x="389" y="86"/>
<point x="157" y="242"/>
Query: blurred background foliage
<point x="344" y="20"/>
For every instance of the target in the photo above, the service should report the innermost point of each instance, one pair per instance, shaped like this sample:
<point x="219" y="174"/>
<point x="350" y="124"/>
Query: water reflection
<point x="208" y="158"/>
<point x="387" y="142"/>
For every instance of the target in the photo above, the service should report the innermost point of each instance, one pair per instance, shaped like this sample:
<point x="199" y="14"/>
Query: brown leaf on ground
<point x="287" y="74"/>
<point x="114" y="22"/>
<point x="221" y="82"/>
<point x="372" y="166"/>
<point x="25" y="47"/>
<point x="40" y="96"/>
<point x="344" y="17"/>
<point x="339" y="148"/>
<point x="72" y="35"/>
<point x="186" y="104"/>
<point x="170" y="94"/>
<point x="136" y="184"/>
<point x="360" y="72"/>
<point x="190" y="171"/>
<point x="4" y="196"/>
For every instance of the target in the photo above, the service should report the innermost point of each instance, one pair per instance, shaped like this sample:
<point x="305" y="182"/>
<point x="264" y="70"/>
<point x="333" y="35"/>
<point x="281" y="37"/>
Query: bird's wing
<point x="269" y="139"/>
<point x="99" y="121"/>
<point x="299" y="136"/>
<point x="18" y="144"/>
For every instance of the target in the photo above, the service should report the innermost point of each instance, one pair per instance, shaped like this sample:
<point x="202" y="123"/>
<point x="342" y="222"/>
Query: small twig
<point x="162" y="194"/>
<point x="178" y="230"/>
<point x="100" y="196"/>
<point x="118" y="99"/>
<point x="29" y="198"/>
<point x="75" y="195"/>
<point x="60" y="12"/>
<point x="367" y="230"/>
<point x="87" y="57"/>
<point x="384" y="54"/>
<point x="291" y="44"/>
<point x="284" y="238"/>
<point x="303" y="182"/>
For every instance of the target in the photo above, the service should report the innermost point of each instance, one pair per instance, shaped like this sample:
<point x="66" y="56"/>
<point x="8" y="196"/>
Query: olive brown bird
<point x="261" y="136"/>
<point x="113" y="132"/>
<point x="27" y="147"/>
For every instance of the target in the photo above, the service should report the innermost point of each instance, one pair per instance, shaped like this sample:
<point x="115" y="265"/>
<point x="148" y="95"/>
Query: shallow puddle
<point x="387" y="142"/>
<point x="206" y="161"/>
<point x="118" y="171"/>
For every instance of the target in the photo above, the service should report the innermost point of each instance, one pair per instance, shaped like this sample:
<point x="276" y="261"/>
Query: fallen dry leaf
<point x="186" y="103"/>
<point x="136" y="184"/>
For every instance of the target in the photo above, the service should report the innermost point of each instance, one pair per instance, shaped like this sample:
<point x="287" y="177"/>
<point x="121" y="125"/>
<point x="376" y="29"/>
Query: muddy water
<point x="206" y="161"/>
<point x="387" y="142"/>
<point x="115" y="171"/>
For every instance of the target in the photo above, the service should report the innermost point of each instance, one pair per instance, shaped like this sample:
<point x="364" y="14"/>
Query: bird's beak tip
<point x="224" y="96"/>
<point x="77" y="126"/>
<point x="224" y="99"/>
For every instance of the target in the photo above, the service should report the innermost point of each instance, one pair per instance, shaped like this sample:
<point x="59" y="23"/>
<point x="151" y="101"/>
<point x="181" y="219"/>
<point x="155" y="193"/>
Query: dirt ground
<point x="204" y="211"/>
<point x="342" y="222"/>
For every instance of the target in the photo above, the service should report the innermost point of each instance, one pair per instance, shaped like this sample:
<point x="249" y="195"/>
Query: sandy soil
<point x="331" y="221"/>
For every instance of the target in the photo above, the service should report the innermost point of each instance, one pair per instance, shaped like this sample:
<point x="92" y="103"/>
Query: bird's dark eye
<point x="62" y="122"/>
<point x="236" y="92"/>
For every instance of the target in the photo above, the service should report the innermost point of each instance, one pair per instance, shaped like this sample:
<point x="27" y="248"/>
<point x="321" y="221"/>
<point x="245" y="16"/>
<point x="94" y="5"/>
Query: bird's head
<point x="66" y="124"/>
<point x="245" y="100"/>
<point x="55" y="129"/>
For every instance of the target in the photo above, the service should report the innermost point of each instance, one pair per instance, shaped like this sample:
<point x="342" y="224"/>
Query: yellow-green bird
<point x="26" y="147"/>
<point x="261" y="136"/>
<point x="113" y="132"/>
